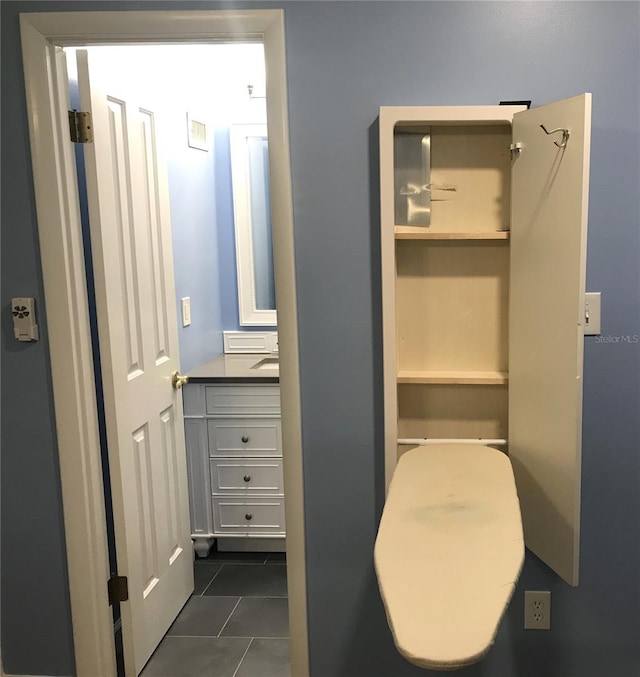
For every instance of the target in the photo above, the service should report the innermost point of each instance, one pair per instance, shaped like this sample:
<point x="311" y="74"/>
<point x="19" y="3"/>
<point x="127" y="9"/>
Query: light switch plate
<point x="186" y="311"/>
<point x="592" y="313"/>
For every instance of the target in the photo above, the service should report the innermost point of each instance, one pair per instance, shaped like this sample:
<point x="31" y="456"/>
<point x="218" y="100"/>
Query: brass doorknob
<point x="177" y="381"/>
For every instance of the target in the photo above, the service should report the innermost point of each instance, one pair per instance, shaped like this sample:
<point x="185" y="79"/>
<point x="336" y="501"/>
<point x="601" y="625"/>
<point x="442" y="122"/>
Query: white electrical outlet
<point x="537" y="610"/>
<point x="186" y="311"/>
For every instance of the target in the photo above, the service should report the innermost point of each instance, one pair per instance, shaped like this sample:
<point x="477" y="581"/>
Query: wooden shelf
<point x="453" y="377"/>
<point x="421" y="233"/>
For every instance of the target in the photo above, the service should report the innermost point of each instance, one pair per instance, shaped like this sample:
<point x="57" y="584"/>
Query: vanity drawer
<point x="244" y="400"/>
<point x="242" y="476"/>
<point x="239" y="516"/>
<point x="258" y="437"/>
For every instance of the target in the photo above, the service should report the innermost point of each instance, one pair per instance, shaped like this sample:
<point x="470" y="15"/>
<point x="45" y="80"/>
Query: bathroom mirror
<point x="252" y="222"/>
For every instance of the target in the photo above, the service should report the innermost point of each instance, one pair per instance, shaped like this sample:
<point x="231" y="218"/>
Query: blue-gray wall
<point x="195" y="231"/>
<point x="345" y="60"/>
<point x="204" y="248"/>
<point x="204" y="245"/>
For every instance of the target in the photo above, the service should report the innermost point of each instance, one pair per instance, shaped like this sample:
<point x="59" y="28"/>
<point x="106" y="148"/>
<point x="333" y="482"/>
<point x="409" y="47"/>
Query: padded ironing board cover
<point x="449" y="552"/>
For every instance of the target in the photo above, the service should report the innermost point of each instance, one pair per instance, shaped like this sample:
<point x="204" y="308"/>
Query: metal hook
<point x="565" y="135"/>
<point x="250" y="89"/>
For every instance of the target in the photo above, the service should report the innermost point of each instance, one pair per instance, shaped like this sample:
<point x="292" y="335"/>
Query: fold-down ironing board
<point x="449" y="552"/>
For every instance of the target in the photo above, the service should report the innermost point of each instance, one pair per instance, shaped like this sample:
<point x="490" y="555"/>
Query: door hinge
<point x="118" y="589"/>
<point x="80" y="126"/>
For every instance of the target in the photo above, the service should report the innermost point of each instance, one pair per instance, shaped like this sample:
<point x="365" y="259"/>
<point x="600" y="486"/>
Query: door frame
<point x="63" y="269"/>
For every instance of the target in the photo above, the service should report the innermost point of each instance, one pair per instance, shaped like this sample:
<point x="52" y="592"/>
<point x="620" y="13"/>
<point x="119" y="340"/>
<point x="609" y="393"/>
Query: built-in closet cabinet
<point x="483" y="216"/>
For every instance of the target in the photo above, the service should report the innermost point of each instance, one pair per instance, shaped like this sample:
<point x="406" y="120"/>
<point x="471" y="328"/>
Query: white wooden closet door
<point x="546" y="318"/>
<point x="135" y="297"/>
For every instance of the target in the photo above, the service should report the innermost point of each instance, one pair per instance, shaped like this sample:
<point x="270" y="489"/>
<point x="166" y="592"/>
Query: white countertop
<point x="239" y="367"/>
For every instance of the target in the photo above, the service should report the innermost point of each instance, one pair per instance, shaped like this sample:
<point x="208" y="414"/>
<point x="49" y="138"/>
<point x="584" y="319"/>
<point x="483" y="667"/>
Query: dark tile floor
<point x="235" y="624"/>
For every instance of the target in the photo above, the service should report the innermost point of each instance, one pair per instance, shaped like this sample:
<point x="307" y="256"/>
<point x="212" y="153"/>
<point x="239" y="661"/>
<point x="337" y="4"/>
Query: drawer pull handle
<point x="248" y="516"/>
<point x="247" y="478"/>
<point x="245" y="439"/>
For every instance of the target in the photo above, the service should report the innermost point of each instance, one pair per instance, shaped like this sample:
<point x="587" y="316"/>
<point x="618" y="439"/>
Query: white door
<point x="135" y="297"/>
<point x="546" y="325"/>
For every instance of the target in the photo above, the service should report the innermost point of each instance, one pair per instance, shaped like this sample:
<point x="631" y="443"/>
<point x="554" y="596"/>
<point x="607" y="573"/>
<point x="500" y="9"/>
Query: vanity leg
<point x="202" y="545"/>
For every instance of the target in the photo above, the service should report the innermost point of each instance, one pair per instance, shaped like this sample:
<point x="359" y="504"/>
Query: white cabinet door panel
<point x="546" y="325"/>
<point x="199" y="484"/>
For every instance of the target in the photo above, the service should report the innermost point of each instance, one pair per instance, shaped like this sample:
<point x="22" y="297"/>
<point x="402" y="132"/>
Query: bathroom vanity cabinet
<point x="483" y="216"/>
<point x="234" y="457"/>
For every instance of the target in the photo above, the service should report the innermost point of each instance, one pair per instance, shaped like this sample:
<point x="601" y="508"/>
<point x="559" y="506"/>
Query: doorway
<point x="237" y="613"/>
<point x="63" y="272"/>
